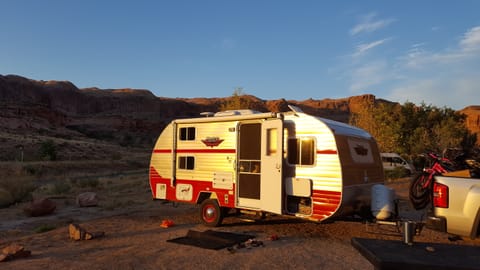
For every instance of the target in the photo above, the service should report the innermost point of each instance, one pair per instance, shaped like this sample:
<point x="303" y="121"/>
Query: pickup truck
<point x="455" y="206"/>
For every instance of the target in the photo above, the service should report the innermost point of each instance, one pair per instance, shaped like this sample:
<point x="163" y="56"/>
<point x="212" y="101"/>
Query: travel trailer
<point x="288" y="163"/>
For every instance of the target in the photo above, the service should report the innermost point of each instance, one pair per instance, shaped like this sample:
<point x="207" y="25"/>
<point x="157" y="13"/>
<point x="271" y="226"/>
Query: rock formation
<point x="129" y="116"/>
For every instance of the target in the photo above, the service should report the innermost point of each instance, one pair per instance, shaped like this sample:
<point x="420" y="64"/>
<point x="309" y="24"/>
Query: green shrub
<point x="19" y="188"/>
<point x="48" y="150"/>
<point x="396" y="173"/>
<point x="44" y="228"/>
<point x="61" y="187"/>
<point x="91" y="182"/>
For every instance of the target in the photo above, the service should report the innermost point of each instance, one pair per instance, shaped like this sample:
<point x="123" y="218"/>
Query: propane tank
<point x="382" y="205"/>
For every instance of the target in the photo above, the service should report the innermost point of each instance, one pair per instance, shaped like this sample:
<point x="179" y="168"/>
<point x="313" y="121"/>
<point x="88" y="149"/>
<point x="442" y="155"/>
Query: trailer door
<point x="271" y="164"/>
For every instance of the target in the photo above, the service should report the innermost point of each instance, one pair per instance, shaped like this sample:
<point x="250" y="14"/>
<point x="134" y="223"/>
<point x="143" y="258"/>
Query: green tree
<point x="48" y="150"/>
<point x="409" y="129"/>
<point x="381" y="121"/>
<point x="236" y="102"/>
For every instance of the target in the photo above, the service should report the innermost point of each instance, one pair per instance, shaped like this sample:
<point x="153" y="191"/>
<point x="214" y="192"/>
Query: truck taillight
<point x="440" y="195"/>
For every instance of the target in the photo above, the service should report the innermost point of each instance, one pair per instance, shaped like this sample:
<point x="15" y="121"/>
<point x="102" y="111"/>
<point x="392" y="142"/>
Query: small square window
<point x="187" y="134"/>
<point x="186" y="162"/>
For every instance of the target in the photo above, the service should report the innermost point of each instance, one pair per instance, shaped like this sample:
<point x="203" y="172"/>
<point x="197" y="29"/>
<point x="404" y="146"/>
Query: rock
<point x="14" y="251"/>
<point x="40" y="207"/>
<point x="87" y="199"/>
<point x="78" y="233"/>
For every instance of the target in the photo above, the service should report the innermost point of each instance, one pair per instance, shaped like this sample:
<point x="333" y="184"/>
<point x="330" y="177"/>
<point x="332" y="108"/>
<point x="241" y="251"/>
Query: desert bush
<point x="61" y="187"/>
<point x="48" y="150"/>
<point x="29" y="170"/>
<point x="44" y="228"/>
<point x="90" y="182"/>
<point x="19" y="188"/>
<point x="6" y="198"/>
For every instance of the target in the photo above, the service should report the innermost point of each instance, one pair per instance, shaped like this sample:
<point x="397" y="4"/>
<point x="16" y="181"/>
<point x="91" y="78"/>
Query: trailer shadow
<point x="245" y="221"/>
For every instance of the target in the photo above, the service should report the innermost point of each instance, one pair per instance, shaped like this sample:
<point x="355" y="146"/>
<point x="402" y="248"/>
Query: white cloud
<point x="368" y="24"/>
<point x="368" y="75"/>
<point x="363" y="48"/>
<point x="471" y="40"/>
<point x="456" y="93"/>
<point x="448" y="77"/>
<point x="467" y="49"/>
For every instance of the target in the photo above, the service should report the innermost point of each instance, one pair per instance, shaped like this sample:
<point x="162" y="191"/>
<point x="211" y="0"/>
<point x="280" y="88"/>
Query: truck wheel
<point x="211" y="213"/>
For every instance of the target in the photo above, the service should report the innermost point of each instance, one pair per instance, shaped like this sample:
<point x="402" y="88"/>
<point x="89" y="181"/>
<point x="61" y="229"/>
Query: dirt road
<point x="134" y="239"/>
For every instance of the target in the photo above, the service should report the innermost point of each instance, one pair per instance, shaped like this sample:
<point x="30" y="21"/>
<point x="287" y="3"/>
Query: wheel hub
<point x="209" y="213"/>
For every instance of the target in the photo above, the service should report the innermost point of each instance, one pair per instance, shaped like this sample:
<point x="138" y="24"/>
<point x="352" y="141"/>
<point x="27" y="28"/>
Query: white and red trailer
<point x="287" y="163"/>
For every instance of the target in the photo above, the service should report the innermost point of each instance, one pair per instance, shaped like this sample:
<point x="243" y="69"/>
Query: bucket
<point x="408" y="232"/>
<point x="382" y="205"/>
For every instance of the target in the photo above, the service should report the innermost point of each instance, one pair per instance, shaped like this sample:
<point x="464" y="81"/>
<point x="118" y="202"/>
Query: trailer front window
<point x="301" y="151"/>
<point x="187" y="134"/>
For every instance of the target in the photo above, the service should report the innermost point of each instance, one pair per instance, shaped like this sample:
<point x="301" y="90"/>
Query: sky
<point x="403" y="51"/>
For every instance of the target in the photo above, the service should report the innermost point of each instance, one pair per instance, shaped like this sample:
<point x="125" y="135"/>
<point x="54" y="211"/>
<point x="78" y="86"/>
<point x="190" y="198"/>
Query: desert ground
<point x="135" y="239"/>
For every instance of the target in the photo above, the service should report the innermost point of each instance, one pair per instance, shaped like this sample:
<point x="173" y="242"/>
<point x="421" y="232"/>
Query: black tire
<point x="210" y="213"/>
<point x="420" y="195"/>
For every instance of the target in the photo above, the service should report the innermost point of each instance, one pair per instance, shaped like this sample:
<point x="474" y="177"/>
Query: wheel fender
<point x="206" y="195"/>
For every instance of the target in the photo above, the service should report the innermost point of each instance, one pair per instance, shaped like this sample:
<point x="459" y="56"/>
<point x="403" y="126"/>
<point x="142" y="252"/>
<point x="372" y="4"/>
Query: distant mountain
<point x="134" y="116"/>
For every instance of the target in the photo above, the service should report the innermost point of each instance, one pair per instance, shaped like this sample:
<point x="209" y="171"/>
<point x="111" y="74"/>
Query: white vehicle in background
<point x="391" y="161"/>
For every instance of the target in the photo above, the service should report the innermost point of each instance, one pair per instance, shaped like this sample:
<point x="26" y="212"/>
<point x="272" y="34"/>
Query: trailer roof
<point x="228" y="117"/>
<point x="342" y="128"/>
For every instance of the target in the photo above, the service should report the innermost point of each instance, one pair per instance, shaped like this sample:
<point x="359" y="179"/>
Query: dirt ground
<point x="134" y="238"/>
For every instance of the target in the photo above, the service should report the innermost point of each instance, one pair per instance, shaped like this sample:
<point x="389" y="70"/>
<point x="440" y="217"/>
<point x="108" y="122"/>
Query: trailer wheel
<point x="211" y="213"/>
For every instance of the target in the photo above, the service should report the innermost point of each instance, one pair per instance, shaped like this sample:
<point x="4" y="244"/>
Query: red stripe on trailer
<point x="226" y="197"/>
<point x="327" y="152"/>
<point x="196" y="151"/>
<point x="209" y="151"/>
<point x="164" y="151"/>
<point x="325" y="203"/>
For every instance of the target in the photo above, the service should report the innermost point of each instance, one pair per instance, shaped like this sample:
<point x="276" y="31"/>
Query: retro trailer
<point x="287" y="163"/>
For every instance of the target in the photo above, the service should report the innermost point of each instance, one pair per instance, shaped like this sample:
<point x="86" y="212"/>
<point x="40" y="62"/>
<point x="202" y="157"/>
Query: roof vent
<point x="295" y="109"/>
<point x="235" y="112"/>
<point x="207" y="114"/>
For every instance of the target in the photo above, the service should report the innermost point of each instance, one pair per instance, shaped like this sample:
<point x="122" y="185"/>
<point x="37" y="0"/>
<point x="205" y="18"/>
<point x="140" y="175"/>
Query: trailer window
<point x="187" y="134"/>
<point x="301" y="151"/>
<point x="186" y="162"/>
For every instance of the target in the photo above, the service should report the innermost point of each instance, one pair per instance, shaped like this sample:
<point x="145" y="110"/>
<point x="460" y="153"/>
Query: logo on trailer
<point x="212" y="141"/>
<point x="361" y="150"/>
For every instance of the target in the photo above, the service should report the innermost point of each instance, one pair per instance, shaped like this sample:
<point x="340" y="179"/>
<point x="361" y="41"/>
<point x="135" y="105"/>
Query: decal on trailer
<point x="360" y="151"/>
<point x="184" y="192"/>
<point x="212" y="141"/>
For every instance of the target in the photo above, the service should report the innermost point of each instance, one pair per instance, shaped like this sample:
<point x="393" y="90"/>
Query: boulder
<point x="40" y="207"/>
<point x="78" y="233"/>
<point x="13" y="251"/>
<point x="87" y="199"/>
